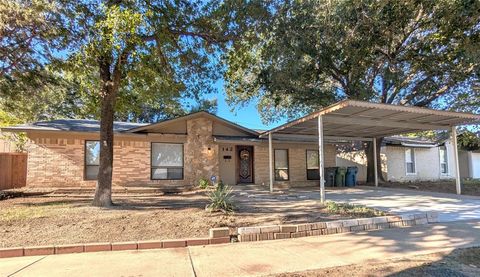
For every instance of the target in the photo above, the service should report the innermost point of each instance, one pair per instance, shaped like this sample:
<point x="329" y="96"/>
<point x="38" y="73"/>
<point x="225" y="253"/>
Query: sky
<point x="246" y="116"/>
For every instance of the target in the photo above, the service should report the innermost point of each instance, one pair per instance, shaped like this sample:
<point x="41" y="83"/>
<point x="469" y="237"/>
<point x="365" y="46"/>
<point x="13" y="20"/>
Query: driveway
<point x="450" y="207"/>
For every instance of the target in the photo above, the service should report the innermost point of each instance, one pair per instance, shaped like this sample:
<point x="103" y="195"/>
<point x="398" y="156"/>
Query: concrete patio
<point x="451" y="207"/>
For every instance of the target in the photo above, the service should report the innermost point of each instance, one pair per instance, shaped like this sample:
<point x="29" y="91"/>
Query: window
<point x="281" y="164"/>
<point x="443" y="160"/>
<point x="410" y="160"/>
<point x="167" y="161"/>
<point x="313" y="165"/>
<point x="92" y="159"/>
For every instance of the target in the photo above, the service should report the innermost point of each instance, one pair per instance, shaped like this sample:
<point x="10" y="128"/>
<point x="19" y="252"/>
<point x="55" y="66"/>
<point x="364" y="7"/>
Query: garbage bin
<point x="340" y="177"/>
<point x="351" y="176"/>
<point x="330" y="176"/>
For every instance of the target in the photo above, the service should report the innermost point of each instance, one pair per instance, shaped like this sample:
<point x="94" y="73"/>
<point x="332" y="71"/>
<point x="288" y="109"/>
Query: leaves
<point x="317" y="52"/>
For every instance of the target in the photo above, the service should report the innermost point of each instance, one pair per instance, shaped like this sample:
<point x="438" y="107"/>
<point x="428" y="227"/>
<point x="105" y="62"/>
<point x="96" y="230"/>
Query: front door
<point x="245" y="164"/>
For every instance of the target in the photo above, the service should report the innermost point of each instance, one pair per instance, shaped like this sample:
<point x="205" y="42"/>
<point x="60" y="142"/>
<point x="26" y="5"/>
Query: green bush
<point x="203" y="183"/>
<point x="221" y="199"/>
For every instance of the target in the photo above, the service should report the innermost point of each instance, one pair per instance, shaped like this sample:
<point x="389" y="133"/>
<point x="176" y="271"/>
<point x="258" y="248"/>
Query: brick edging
<point x="108" y="246"/>
<point x="243" y="234"/>
<point x="274" y="232"/>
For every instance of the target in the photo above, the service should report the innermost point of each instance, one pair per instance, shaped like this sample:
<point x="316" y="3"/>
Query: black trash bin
<point x="351" y="176"/>
<point x="330" y="176"/>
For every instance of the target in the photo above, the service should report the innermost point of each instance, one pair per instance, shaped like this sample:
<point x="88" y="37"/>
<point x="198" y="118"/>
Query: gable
<point x="222" y="129"/>
<point x="179" y="126"/>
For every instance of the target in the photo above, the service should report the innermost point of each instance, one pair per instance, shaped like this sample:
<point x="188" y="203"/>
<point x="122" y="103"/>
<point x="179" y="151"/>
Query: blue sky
<point x="246" y="116"/>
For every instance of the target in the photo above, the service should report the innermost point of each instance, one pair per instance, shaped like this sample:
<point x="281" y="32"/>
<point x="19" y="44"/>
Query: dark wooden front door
<point x="245" y="164"/>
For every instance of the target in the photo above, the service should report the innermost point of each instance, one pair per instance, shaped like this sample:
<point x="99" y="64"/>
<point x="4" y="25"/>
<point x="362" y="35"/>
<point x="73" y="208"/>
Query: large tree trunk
<point x="370" y="162"/>
<point x="103" y="191"/>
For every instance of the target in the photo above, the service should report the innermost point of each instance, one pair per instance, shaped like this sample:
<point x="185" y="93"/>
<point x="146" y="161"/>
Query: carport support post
<point x="375" y="165"/>
<point x="320" y="159"/>
<point x="455" y="160"/>
<point x="270" y="160"/>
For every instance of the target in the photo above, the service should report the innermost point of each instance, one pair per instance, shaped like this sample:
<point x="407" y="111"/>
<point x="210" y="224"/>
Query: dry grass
<point x="63" y="219"/>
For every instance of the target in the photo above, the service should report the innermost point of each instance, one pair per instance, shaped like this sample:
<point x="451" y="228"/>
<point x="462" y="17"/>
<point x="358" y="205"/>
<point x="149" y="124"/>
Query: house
<point x="469" y="164"/>
<point x="407" y="159"/>
<point x="179" y="152"/>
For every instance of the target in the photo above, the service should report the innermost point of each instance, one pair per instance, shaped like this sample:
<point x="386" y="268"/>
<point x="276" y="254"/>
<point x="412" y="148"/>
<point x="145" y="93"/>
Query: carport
<point x="350" y="120"/>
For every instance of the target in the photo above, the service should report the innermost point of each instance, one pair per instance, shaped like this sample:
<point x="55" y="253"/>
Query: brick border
<point x="259" y="233"/>
<point x="242" y="234"/>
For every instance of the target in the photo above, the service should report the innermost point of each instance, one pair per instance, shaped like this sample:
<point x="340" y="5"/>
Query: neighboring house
<point x="469" y="164"/>
<point x="173" y="153"/>
<point x="408" y="159"/>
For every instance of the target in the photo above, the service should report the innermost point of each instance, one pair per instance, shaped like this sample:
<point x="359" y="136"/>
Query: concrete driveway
<point x="450" y="207"/>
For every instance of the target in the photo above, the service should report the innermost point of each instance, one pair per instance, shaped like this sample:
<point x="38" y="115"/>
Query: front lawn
<point x="69" y="218"/>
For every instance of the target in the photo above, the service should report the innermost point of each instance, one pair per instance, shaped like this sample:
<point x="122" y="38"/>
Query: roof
<point x="410" y="141"/>
<point x="72" y="125"/>
<point x="84" y="125"/>
<point x="193" y="115"/>
<point x="350" y="118"/>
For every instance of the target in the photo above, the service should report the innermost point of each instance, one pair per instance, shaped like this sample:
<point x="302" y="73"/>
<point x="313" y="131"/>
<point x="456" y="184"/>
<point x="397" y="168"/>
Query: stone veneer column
<point x="200" y="162"/>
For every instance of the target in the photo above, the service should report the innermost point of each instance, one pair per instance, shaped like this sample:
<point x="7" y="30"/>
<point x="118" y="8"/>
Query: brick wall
<point x="58" y="160"/>
<point x="297" y="161"/>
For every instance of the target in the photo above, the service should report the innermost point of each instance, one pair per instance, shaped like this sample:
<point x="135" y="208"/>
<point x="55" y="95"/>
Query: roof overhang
<point x="350" y="118"/>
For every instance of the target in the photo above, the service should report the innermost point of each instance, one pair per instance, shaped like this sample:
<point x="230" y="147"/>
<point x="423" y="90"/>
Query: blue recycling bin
<point x="351" y="176"/>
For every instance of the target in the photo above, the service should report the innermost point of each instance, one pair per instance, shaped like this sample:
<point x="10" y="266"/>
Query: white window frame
<point x="414" y="161"/>
<point x="447" y="159"/>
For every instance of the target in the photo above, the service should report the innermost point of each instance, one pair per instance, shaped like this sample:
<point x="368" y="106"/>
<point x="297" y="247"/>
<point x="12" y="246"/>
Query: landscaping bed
<point x="69" y="218"/>
<point x="469" y="187"/>
<point x="460" y="262"/>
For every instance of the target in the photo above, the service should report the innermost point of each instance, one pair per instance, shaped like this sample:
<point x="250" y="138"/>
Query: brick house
<point x="179" y="152"/>
<point x="173" y="153"/>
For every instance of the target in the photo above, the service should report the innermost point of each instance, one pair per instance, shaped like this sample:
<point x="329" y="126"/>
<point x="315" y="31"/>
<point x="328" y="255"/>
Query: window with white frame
<point x="410" y="160"/>
<point x="313" y="165"/>
<point x="281" y="164"/>
<point x="167" y="161"/>
<point x="443" y="159"/>
<point x="92" y="159"/>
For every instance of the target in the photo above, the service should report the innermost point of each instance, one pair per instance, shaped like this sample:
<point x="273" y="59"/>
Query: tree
<point x="414" y="53"/>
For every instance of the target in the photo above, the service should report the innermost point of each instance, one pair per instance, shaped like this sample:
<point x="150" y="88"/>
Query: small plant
<point x="350" y="209"/>
<point x="221" y="199"/>
<point x="203" y="183"/>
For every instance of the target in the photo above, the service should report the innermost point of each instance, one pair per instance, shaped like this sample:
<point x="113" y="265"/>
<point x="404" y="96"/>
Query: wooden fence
<point x="13" y="170"/>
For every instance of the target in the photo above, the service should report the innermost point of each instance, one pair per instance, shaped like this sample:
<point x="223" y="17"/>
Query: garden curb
<point x="241" y="234"/>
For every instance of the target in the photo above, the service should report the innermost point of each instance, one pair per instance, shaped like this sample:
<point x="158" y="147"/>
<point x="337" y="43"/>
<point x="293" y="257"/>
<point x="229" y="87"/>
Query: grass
<point x="471" y="182"/>
<point x="352" y="210"/>
<point x="28" y="212"/>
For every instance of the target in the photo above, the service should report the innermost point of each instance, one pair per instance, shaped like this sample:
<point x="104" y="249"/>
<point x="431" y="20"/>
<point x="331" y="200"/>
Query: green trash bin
<point x="330" y="176"/>
<point x="340" y="177"/>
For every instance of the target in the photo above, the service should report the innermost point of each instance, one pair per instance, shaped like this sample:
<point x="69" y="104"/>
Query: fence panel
<point x="13" y="170"/>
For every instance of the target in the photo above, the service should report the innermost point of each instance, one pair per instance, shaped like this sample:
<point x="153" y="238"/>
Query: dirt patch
<point x="469" y="187"/>
<point x="461" y="262"/>
<point x="69" y="218"/>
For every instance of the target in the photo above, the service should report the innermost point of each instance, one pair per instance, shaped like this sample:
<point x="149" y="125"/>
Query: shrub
<point x="203" y="183"/>
<point x="350" y="209"/>
<point x="221" y="199"/>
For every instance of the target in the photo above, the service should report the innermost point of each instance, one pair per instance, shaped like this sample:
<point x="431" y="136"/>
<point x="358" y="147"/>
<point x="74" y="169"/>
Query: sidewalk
<point x="256" y="258"/>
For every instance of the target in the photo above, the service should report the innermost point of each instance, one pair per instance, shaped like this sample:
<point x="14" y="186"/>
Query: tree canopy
<point x="415" y="52"/>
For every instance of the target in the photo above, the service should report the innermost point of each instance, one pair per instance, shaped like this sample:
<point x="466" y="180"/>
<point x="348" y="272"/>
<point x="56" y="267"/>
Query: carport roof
<point x="351" y="118"/>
